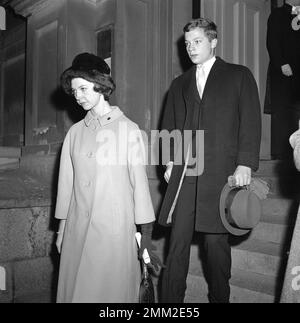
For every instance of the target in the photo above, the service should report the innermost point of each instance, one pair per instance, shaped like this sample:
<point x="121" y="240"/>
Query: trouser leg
<point x="177" y="263"/>
<point x="218" y="266"/>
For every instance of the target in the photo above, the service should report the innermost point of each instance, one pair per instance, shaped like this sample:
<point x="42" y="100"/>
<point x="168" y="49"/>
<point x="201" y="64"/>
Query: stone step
<point x="270" y="232"/>
<point x="253" y="274"/>
<point x="43" y="166"/>
<point x="259" y="257"/>
<point x="279" y="210"/>
<point x="9" y="163"/>
<point x="275" y="168"/>
<point x="251" y="255"/>
<point x="245" y="287"/>
<point x="254" y="256"/>
<point x="284" y="186"/>
<point x="10" y="152"/>
<point x="43" y="296"/>
<point x="256" y="271"/>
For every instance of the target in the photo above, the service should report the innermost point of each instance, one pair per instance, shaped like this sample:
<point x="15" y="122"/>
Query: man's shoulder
<point x="235" y="68"/>
<point x="185" y="74"/>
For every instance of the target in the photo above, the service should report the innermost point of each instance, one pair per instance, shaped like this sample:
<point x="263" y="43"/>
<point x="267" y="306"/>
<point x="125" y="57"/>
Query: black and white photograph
<point x="149" y="154"/>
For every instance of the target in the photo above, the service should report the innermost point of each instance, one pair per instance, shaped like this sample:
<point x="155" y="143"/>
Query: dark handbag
<point x="146" y="294"/>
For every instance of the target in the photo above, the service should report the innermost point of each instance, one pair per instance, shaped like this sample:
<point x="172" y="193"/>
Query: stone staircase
<point x="258" y="258"/>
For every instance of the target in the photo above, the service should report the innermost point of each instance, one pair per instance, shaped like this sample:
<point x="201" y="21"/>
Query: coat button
<point x="88" y="184"/>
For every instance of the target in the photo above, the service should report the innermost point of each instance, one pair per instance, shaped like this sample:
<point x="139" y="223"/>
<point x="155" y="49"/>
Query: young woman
<point x="103" y="194"/>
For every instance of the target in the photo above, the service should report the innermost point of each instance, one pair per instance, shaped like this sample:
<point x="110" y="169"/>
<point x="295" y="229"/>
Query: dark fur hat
<point x="91" y="68"/>
<point x="87" y="62"/>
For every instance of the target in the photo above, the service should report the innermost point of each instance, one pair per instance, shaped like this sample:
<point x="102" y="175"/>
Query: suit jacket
<point x="283" y="44"/>
<point x="229" y="113"/>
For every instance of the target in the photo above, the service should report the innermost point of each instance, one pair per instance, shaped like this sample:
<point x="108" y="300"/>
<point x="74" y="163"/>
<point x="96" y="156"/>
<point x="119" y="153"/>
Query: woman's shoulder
<point x="75" y="127"/>
<point x="130" y="123"/>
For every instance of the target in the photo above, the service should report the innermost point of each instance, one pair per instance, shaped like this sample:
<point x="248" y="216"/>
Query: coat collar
<point x="190" y="91"/>
<point x="212" y="77"/>
<point x="91" y="119"/>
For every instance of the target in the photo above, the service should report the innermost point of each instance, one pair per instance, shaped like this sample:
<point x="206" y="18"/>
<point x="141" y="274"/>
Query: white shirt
<point x="206" y="67"/>
<point x="206" y="70"/>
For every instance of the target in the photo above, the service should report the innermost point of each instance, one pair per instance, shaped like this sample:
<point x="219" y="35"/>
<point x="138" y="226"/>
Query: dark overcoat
<point x="229" y="113"/>
<point x="283" y="44"/>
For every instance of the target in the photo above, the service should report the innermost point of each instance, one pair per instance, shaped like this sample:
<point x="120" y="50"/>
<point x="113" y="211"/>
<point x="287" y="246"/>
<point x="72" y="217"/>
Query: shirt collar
<point x="208" y="65"/>
<point x="295" y="10"/>
<point x="110" y="117"/>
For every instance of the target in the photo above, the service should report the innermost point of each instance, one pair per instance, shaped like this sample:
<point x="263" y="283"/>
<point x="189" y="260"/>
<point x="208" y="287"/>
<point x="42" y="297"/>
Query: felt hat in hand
<point x="240" y="209"/>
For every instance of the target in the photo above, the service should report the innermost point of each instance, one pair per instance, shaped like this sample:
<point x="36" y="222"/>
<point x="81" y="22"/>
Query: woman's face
<point x="85" y="94"/>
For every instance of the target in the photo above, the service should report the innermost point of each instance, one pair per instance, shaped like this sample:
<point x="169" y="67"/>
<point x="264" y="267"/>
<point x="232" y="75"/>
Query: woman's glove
<point x="146" y="243"/>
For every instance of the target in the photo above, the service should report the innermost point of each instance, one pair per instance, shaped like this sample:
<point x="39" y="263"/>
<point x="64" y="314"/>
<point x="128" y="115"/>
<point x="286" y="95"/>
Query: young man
<point x="283" y="43"/>
<point x="222" y="100"/>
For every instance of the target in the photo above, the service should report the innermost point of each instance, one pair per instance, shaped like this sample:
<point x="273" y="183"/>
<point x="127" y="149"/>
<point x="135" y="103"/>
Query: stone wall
<point x="27" y="251"/>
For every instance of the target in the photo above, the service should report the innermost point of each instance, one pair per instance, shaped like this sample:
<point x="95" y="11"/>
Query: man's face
<point x="198" y="46"/>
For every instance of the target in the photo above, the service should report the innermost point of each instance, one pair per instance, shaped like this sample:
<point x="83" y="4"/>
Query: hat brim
<point x="222" y="205"/>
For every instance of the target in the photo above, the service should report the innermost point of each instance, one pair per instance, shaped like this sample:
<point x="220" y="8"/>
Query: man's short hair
<point x="209" y="27"/>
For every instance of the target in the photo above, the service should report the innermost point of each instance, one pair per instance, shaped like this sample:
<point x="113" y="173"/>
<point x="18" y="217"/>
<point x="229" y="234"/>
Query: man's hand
<point x="168" y="172"/>
<point x="286" y="70"/>
<point x="242" y="175"/>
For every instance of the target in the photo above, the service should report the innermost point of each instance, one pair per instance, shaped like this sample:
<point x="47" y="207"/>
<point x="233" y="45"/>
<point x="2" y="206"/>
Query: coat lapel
<point x="191" y="96"/>
<point x="190" y="91"/>
<point x="212" y="80"/>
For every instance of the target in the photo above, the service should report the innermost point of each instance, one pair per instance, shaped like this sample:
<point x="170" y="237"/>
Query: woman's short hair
<point x="209" y="27"/>
<point x="91" y="68"/>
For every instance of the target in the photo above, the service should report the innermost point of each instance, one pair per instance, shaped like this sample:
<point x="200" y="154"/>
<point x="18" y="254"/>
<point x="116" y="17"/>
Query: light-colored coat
<point x="103" y="193"/>
<point x="291" y="287"/>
